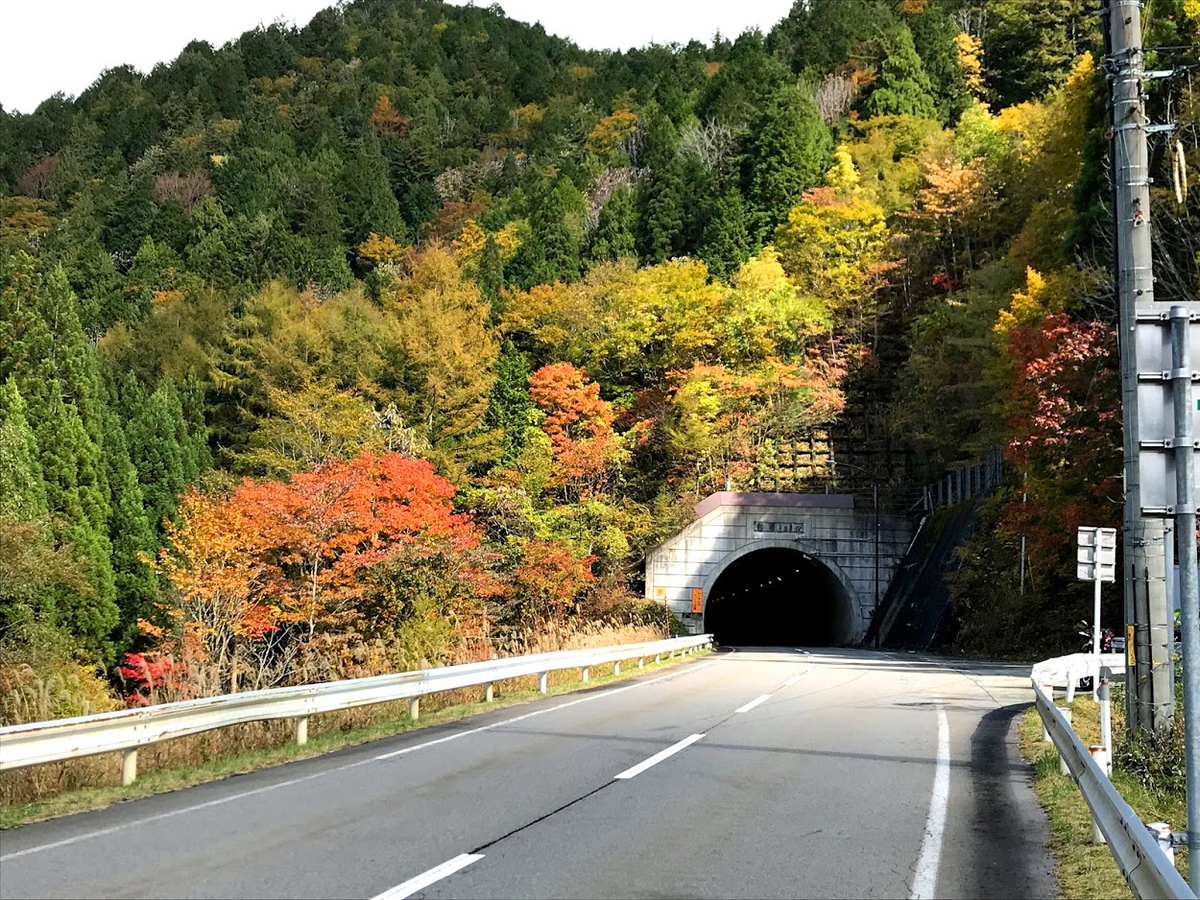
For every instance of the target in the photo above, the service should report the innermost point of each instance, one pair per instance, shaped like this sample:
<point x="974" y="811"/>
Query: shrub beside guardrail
<point x="128" y="729"/>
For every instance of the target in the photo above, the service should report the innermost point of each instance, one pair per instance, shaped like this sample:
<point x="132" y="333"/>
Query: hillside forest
<point x="396" y="339"/>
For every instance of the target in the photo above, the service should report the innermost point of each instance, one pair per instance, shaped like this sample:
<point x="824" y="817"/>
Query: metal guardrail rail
<point x="1146" y="867"/>
<point x="126" y="730"/>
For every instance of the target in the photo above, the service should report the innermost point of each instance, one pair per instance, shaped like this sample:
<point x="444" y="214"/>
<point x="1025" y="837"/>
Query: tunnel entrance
<point x="778" y="596"/>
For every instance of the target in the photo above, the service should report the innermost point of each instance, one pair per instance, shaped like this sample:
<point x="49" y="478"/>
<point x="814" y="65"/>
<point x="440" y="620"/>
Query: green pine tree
<point x="613" y="237"/>
<point x="130" y="534"/>
<point x="553" y="220"/>
<point x="790" y="152"/>
<point x="489" y="273"/>
<point x="77" y="500"/>
<point x="725" y="243"/>
<point x="55" y="370"/>
<point x="509" y="405"/>
<point x="131" y="218"/>
<point x="367" y="202"/>
<point x="660" y="194"/>
<point x="903" y="87"/>
<point x="22" y="490"/>
<point x="933" y="34"/>
<point x="159" y="455"/>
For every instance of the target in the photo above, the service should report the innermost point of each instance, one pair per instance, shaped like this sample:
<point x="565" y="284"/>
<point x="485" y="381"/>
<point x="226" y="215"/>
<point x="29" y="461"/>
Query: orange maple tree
<point x="549" y="579"/>
<point x="579" y="424"/>
<point x="286" y="558"/>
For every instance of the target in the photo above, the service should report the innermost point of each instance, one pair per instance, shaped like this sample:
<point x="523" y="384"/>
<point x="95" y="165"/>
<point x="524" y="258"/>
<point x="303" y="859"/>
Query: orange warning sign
<point x="697" y="600"/>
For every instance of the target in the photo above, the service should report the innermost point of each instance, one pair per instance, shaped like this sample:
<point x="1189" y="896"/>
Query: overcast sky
<point x="62" y="45"/>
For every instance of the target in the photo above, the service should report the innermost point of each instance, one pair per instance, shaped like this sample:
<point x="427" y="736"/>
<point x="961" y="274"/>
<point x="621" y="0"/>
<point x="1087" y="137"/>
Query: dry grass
<point x="56" y="788"/>
<point x="1084" y="869"/>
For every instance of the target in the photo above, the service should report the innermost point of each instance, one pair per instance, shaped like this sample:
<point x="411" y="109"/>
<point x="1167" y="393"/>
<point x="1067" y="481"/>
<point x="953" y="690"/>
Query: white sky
<point x="63" y="45"/>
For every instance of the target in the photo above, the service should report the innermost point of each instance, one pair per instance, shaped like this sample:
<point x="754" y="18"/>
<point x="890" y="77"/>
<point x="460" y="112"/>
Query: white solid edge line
<point x="158" y="817"/>
<point x="425" y="879"/>
<point x="925" y="881"/>
<point x="659" y="757"/>
<point x="753" y="703"/>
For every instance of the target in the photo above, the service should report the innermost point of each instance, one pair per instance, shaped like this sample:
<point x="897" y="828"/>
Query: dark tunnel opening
<point x="778" y="597"/>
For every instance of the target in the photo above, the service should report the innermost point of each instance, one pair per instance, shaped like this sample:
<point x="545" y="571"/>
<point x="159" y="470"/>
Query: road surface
<point x="753" y="773"/>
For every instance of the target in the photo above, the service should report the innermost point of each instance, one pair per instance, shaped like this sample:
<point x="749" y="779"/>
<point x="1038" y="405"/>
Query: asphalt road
<point x="755" y="773"/>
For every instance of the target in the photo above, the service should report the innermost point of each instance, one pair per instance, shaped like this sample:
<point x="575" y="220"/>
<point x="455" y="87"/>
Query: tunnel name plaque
<point x="779" y="528"/>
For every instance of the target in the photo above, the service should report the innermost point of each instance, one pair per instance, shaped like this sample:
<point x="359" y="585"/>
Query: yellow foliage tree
<point x="610" y="131"/>
<point x="376" y="250"/>
<point x="471" y="240"/>
<point x="970" y="60"/>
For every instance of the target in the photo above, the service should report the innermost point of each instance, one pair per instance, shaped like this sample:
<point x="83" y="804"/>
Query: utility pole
<point x="1149" y="621"/>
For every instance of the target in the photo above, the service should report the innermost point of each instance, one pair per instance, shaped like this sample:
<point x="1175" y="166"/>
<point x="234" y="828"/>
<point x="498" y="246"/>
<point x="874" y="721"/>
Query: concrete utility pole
<point x="1149" y="620"/>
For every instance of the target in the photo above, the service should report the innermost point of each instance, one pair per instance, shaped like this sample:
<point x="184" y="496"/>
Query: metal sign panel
<point x="1097" y="547"/>
<point x="1155" y="406"/>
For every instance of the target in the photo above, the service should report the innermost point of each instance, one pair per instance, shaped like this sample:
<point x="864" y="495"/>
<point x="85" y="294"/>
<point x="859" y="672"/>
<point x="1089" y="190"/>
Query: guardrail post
<point x="1161" y="832"/>
<point x="672" y="654"/>
<point x="414" y="708"/>
<point x="616" y="668"/>
<point x="585" y="674"/>
<point x="658" y="657"/>
<point x="1062" y="760"/>
<point x="542" y="682"/>
<point x="1046" y="739"/>
<point x="490" y="694"/>
<point x="641" y="663"/>
<point x="301" y="730"/>
<point x="128" y="766"/>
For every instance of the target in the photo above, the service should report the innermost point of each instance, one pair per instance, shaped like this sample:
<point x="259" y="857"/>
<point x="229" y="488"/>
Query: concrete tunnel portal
<point x="776" y="596"/>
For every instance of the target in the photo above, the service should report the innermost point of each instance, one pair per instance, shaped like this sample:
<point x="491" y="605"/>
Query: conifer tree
<point x="368" y="204"/>
<point x="79" y="510"/>
<point x="510" y="406"/>
<point x="154" y="441"/>
<point x="22" y="490"/>
<point x="130" y="218"/>
<point x="489" y="272"/>
<point x="725" y="242"/>
<point x="613" y="237"/>
<point x="130" y="534"/>
<point x="934" y="35"/>
<point x="55" y="371"/>
<point x="791" y="149"/>
<point x="903" y="87"/>
<point x="553" y="222"/>
<point x="660" y="195"/>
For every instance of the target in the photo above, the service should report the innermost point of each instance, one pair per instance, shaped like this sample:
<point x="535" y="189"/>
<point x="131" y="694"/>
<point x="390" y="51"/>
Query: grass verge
<point x="177" y="777"/>
<point x="1084" y="869"/>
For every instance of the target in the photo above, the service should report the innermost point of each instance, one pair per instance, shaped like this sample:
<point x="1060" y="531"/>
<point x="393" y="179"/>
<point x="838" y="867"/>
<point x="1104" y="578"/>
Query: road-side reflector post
<point x="1106" y="724"/>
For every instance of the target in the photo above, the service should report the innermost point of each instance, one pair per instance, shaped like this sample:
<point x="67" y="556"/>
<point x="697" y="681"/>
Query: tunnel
<point x="778" y="596"/>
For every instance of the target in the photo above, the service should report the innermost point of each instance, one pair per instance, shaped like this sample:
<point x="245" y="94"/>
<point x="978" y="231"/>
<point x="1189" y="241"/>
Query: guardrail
<point x="1139" y="853"/>
<point x="128" y="729"/>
